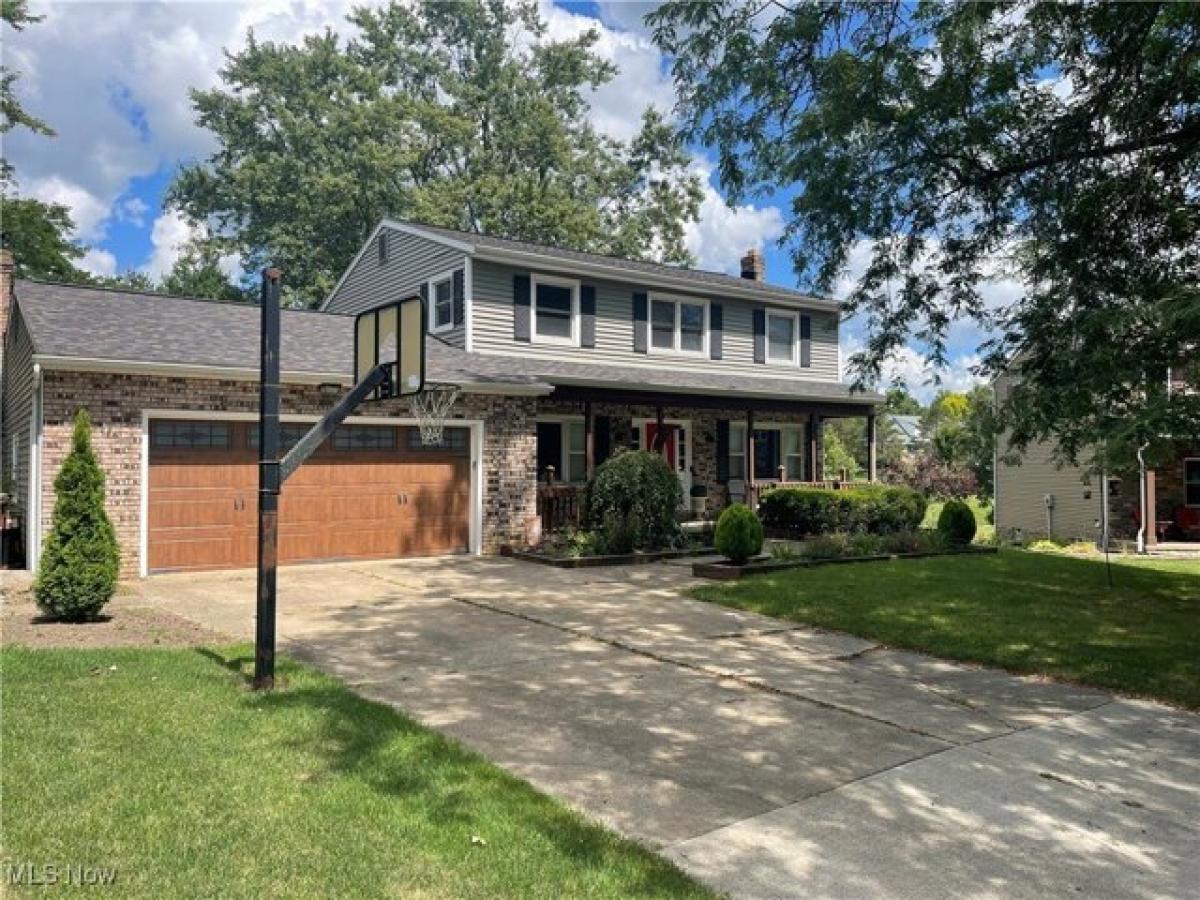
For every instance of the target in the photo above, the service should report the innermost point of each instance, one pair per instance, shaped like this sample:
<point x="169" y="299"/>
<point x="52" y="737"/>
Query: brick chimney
<point x="754" y="266"/>
<point x="6" y="289"/>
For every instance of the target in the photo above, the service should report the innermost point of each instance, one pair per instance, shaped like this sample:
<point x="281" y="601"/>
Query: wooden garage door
<point x="370" y="492"/>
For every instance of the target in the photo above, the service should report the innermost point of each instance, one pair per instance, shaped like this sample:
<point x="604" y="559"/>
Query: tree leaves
<point x="463" y="115"/>
<point x="1063" y="138"/>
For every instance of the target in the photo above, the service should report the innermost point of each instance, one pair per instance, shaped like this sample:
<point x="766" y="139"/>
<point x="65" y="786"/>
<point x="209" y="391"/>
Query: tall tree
<point x="198" y="273"/>
<point x="465" y="115"/>
<point x="899" y="401"/>
<point x="1061" y="139"/>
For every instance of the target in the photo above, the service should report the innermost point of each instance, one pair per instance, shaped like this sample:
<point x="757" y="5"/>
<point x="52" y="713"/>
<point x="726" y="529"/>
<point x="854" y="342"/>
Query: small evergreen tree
<point x="80" y="559"/>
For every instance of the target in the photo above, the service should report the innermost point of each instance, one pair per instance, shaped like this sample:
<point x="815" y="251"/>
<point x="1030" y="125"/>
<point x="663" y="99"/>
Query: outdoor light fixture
<point x="376" y="343"/>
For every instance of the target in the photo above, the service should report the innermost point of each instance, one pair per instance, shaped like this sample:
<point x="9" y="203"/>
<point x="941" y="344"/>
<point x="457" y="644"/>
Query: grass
<point x="162" y="764"/>
<point x="1027" y="612"/>
<point x="984" y="530"/>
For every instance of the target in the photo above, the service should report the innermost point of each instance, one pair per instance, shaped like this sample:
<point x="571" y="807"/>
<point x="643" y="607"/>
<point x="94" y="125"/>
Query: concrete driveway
<point x="767" y="760"/>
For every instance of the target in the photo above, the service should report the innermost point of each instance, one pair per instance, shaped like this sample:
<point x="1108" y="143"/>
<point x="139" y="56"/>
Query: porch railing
<point x="559" y="506"/>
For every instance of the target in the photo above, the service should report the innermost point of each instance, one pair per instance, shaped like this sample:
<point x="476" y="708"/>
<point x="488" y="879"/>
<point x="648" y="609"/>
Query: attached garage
<point x="372" y="491"/>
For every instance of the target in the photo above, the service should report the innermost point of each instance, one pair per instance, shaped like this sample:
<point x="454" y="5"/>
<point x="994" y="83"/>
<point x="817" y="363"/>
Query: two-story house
<point x="560" y="357"/>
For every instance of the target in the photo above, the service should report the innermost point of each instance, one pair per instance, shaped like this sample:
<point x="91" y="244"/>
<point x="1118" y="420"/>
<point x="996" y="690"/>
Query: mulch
<point x="124" y="622"/>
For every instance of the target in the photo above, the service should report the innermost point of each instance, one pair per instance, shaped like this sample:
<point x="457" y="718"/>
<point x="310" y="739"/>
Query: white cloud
<point x="99" y="262"/>
<point x="724" y="233"/>
<point x="909" y="367"/>
<point x="640" y="82"/>
<point x="170" y="234"/>
<point x="87" y="210"/>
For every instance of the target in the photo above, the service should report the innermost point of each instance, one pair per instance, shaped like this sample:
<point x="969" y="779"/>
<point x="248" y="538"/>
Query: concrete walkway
<point x="767" y="760"/>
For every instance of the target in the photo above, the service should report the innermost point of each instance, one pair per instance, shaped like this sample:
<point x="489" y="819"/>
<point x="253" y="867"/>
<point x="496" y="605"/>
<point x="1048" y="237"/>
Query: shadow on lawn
<point x="439" y="780"/>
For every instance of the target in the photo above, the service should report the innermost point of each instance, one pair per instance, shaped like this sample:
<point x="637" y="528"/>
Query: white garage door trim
<point x="475" y="426"/>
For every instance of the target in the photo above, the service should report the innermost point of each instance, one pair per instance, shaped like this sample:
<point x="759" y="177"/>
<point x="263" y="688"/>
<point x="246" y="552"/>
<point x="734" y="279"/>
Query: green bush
<point x="739" y="534"/>
<point x="957" y="523"/>
<point x="638" y="489"/>
<point x="80" y="559"/>
<point x="828" y="546"/>
<point x="618" y="536"/>
<point x="871" y="509"/>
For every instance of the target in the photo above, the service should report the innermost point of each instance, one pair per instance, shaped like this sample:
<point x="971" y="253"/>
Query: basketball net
<point x="430" y="408"/>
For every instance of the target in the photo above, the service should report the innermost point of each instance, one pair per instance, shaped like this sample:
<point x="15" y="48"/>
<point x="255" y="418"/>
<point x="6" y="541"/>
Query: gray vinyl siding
<point x="1021" y="491"/>
<point x="17" y="408"/>
<point x="493" y="329"/>
<point x="412" y="261"/>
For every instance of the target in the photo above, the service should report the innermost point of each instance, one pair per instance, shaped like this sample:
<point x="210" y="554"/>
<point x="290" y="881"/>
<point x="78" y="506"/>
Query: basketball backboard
<point x="392" y="335"/>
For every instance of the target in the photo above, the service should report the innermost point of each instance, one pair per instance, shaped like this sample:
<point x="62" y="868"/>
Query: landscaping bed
<point x="638" y="557"/>
<point x="728" y="571"/>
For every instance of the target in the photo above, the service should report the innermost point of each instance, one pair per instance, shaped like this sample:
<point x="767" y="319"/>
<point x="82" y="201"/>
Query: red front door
<point x="669" y="435"/>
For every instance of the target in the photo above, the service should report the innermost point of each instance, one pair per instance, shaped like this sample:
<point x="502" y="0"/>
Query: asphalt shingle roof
<point x="85" y="323"/>
<point x="712" y="281"/>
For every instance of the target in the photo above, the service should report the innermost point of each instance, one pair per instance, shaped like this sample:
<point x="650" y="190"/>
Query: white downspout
<point x="1141" y="535"/>
<point x="33" y="530"/>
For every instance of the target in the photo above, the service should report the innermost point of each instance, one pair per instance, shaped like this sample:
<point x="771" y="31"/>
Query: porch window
<point x="555" y="310"/>
<point x="793" y="454"/>
<point x="679" y="325"/>
<point x="441" y="304"/>
<point x="1191" y="482"/>
<point x="561" y="444"/>
<point x="737" y="451"/>
<point x="782" y="329"/>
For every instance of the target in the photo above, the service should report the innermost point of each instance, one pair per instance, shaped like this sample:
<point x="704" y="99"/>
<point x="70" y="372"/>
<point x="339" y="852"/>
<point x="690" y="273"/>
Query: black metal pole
<point x="268" y="485"/>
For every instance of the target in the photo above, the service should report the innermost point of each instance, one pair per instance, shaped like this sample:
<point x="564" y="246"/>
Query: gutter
<point x="857" y="399"/>
<point x="237" y="373"/>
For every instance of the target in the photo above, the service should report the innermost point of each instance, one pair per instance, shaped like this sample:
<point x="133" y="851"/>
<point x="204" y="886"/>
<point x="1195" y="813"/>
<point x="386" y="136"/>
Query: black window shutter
<point x="722" y="451"/>
<point x="460" y="297"/>
<point x="716" y="324"/>
<point x="805" y="341"/>
<point x="602" y="438"/>
<point x="640" y="315"/>
<point x="760" y="335"/>
<point x="424" y="291"/>
<point x="521" y="311"/>
<point x="587" y="315"/>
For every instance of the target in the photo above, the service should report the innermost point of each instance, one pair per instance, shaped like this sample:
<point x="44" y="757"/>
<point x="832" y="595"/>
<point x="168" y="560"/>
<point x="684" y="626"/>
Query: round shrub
<point x="80" y="559"/>
<point x="638" y="488"/>
<point x="956" y="523"/>
<point x="739" y="534"/>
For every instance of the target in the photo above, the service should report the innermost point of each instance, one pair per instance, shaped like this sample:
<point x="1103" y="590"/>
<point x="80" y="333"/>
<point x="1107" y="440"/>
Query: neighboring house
<point x="562" y="357"/>
<point x="908" y="431"/>
<point x="1038" y="497"/>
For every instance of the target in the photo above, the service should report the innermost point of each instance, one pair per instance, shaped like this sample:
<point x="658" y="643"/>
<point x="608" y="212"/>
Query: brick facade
<point x="116" y="402"/>
<point x="1168" y="493"/>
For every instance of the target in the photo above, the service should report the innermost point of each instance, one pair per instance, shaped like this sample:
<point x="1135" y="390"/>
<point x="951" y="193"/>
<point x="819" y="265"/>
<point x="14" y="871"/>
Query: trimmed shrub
<point x="80" y="559"/>
<point x="828" y="546"/>
<point x="873" y="509"/>
<point x="638" y="489"/>
<point x="956" y="523"/>
<point x="739" y="534"/>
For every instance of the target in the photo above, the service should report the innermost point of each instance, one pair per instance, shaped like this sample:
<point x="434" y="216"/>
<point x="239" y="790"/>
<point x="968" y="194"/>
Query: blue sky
<point x="112" y="78"/>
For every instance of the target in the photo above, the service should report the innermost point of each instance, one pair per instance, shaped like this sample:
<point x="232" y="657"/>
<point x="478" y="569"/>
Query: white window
<point x="737" y="451"/>
<point x="561" y="444"/>
<point x="783" y="329"/>
<point x="441" y="303"/>
<point x="793" y="453"/>
<point x="555" y="310"/>
<point x="678" y="325"/>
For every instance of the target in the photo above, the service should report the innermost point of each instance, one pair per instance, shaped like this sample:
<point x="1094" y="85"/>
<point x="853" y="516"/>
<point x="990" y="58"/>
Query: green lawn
<point x="983" y="528"/>
<point x="162" y="764"/>
<point x="1028" y="612"/>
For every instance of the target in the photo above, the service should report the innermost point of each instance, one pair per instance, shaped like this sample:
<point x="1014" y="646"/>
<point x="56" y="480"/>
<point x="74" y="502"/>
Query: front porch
<point x="1164" y="506"/>
<point x="724" y="449"/>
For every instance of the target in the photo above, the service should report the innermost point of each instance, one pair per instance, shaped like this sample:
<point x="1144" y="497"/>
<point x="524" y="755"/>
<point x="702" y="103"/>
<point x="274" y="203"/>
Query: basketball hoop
<point x="430" y="408"/>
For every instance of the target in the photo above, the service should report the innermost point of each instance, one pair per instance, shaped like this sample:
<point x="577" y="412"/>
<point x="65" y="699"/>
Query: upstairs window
<point x="555" y="310"/>
<point x="441" y="303"/>
<point x="782" y="330"/>
<point x="679" y="325"/>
